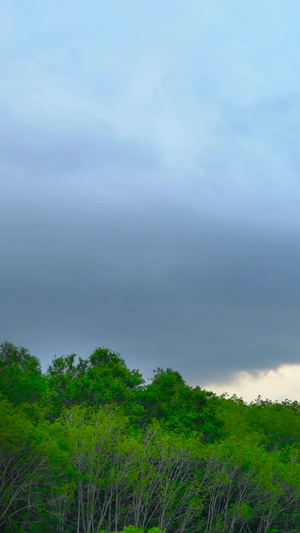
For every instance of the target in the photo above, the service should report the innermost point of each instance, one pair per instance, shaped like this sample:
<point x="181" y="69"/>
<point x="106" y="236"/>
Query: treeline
<point x="90" y="447"/>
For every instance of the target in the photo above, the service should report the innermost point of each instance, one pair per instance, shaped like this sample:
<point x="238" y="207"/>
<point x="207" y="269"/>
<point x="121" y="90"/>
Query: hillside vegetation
<point x="89" y="447"/>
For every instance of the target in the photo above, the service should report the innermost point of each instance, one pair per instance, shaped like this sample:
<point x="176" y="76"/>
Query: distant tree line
<point x="89" y="447"/>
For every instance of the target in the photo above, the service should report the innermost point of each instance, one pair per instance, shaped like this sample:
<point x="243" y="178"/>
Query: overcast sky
<point x="150" y="186"/>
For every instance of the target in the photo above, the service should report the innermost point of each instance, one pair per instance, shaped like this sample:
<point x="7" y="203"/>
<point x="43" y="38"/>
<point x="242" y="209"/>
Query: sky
<point x="150" y="186"/>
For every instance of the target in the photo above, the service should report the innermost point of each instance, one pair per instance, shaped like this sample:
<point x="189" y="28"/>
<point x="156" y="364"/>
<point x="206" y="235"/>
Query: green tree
<point x="180" y="406"/>
<point x="278" y="422"/>
<point x="101" y="379"/>
<point x="21" y="378"/>
<point x="33" y="473"/>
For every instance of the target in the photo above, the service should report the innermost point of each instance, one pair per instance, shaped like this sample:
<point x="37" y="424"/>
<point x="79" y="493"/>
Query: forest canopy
<point x="89" y="447"/>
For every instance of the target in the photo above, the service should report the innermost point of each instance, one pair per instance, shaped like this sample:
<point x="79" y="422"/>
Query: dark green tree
<point x="180" y="406"/>
<point x="21" y="378"/>
<point x="101" y="379"/>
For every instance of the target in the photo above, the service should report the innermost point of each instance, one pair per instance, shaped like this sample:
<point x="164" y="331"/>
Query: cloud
<point x="164" y="290"/>
<point x="149" y="183"/>
<point x="280" y="383"/>
<point x="37" y="152"/>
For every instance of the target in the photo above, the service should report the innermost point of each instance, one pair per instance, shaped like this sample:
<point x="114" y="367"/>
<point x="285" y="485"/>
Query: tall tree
<point x="101" y="379"/>
<point x="21" y="378"/>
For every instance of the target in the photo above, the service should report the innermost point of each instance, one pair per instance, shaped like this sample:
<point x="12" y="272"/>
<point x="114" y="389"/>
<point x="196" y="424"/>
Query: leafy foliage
<point x="91" y="448"/>
<point x="20" y="374"/>
<point x="101" y="379"/>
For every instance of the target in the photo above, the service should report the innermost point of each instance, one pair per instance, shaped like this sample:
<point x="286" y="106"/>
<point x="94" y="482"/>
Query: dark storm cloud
<point x="98" y="250"/>
<point x="181" y="257"/>
<point x="162" y="288"/>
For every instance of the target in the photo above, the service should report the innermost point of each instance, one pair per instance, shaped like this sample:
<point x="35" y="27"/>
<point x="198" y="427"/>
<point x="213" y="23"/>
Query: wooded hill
<point x="90" y="447"/>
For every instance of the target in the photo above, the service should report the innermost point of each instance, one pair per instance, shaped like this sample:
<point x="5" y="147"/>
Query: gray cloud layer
<point x="163" y="285"/>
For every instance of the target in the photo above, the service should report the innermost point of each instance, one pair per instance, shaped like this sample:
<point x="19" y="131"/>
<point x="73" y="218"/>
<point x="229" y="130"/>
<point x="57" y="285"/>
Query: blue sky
<point x="149" y="174"/>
